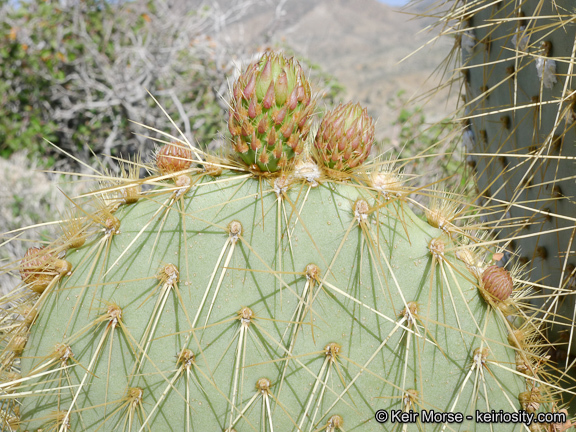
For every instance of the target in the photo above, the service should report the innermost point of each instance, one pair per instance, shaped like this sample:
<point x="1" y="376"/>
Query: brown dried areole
<point x="497" y="283"/>
<point x="173" y="158"/>
<point x="39" y="268"/>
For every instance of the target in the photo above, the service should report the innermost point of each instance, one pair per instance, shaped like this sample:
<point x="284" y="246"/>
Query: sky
<point x="394" y="2"/>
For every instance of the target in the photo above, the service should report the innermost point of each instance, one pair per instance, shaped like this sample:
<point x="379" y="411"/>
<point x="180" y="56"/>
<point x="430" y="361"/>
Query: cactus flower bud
<point x="345" y="137"/>
<point x="271" y="103"/>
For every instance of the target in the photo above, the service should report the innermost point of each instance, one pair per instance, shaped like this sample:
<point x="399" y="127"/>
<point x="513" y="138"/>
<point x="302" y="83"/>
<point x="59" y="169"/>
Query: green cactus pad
<point x="226" y="324"/>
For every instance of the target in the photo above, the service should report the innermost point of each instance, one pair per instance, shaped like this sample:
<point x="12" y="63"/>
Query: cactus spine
<point x="518" y="64"/>
<point x="517" y="69"/>
<point x="233" y="297"/>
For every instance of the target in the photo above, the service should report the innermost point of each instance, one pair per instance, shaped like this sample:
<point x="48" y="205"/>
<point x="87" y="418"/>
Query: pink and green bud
<point x="345" y="137"/>
<point x="271" y="110"/>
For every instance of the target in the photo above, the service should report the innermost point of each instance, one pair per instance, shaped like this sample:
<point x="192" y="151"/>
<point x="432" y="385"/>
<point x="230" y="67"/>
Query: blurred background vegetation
<point x="77" y="74"/>
<point x="80" y="74"/>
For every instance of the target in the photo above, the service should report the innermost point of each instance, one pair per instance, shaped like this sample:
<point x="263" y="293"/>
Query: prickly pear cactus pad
<point x="208" y="296"/>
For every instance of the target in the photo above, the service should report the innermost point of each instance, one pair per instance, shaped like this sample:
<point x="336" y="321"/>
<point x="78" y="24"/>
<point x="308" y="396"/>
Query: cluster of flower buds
<point x="271" y="113"/>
